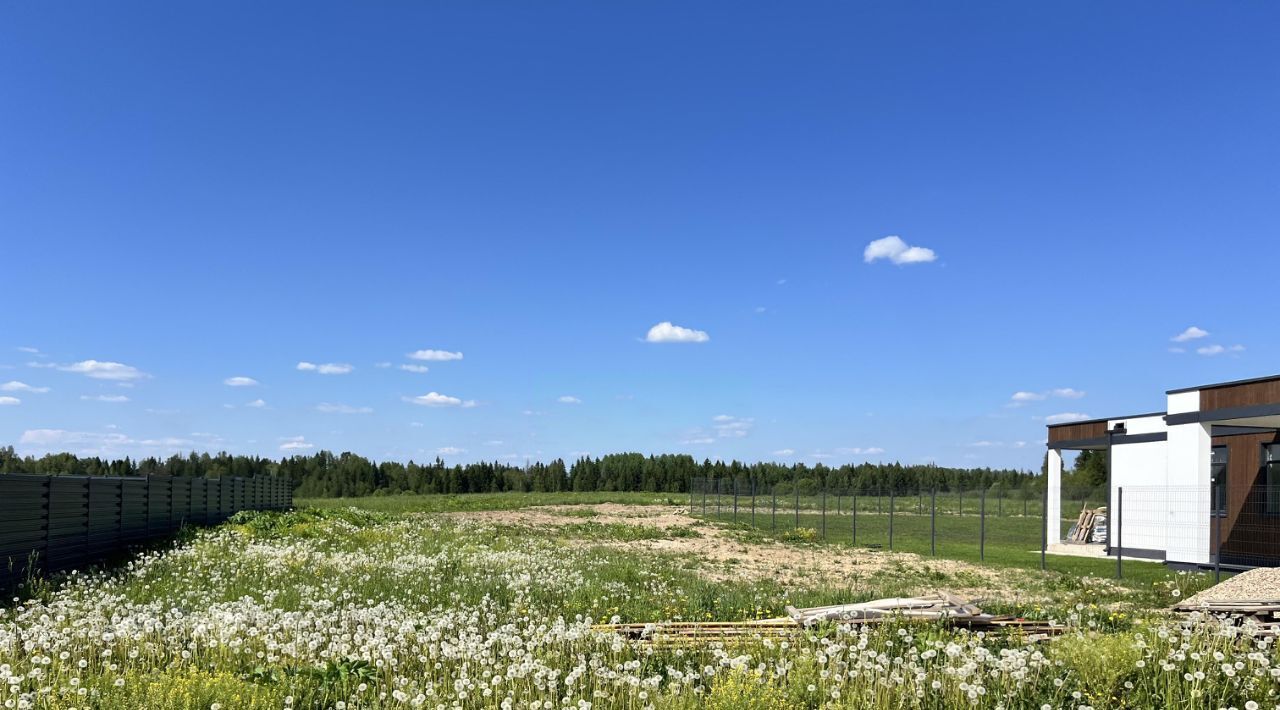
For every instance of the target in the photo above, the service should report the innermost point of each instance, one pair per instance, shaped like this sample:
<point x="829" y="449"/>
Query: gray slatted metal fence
<point x="60" y="522"/>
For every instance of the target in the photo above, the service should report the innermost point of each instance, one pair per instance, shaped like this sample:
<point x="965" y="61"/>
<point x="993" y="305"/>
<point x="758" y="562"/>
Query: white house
<point x="1206" y="469"/>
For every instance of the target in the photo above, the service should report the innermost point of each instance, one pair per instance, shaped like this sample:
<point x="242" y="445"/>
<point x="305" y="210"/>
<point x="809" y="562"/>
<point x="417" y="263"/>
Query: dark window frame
<point x="1218" y="491"/>
<point x="1271" y="481"/>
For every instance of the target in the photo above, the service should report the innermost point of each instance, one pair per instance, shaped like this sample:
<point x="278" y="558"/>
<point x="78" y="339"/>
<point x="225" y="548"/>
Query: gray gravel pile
<point x="1255" y="585"/>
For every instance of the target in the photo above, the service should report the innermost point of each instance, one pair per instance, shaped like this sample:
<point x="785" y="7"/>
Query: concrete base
<point x="1076" y="549"/>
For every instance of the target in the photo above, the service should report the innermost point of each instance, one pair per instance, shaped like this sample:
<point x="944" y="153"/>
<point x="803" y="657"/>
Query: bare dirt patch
<point x="721" y="556"/>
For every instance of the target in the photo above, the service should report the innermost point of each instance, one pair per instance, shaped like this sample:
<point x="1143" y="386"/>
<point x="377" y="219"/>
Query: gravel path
<point x="1256" y="584"/>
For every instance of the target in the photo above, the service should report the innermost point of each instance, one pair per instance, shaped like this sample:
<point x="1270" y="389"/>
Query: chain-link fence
<point x="987" y="523"/>
<point x="1184" y="524"/>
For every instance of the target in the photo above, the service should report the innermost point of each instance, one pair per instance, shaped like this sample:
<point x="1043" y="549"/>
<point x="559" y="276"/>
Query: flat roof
<point x="1214" y="385"/>
<point x="1107" y="419"/>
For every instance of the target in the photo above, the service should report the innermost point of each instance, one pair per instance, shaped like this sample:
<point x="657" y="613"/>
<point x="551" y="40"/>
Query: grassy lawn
<point x="490" y="601"/>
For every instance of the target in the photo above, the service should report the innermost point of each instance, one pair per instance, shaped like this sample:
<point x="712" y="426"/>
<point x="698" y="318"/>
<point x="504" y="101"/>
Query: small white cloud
<point x="666" y="332"/>
<point x="1067" y="393"/>
<point x="699" y="440"/>
<point x="328" y="368"/>
<point x="450" y="451"/>
<point x="761" y="309"/>
<point x="1020" y="398"/>
<point x="1065" y="417"/>
<point x="1189" y="334"/>
<point x="435" y="355"/>
<point x="784" y="452"/>
<point x="1219" y="349"/>
<point x="579" y="454"/>
<point x="382" y="365"/>
<point x="257" y="404"/>
<point x="730" y="427"/>
<point x="43" y="365"/>
<point x="568" y="399"/>
<point x="100" y="370"/>
<point x="16" y="386"/>
<point x="419" y="369"/>
<point x="897" y="251"/>
<point x="859" y="451"/>
<point x="296" y="443"/>
<point x="105" y="398"/>
<point x="7" y="401"/>
<point x="28" y="349"/>
<point x="1177" y="350"/>
<point x="435" y="399"/>
<point x="328" y="408"/>
<point x="240" y="381"/>
<point x="819" y="455"/>
<point x="985" y="444"/>
<point x="493" y="442"/>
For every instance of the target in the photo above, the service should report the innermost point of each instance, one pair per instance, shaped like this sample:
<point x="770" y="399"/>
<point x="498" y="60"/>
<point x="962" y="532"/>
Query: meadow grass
<point x="384" y="607"/>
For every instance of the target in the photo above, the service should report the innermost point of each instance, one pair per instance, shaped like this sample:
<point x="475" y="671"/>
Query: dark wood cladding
<point x="1243" y="520"/>
<point x="1072" y="432"/>
<point x="1248" y="394"/>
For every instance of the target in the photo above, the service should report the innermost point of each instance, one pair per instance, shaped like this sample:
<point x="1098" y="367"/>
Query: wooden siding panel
<point x="1244" y="395"/>
<point x="1072" y="432"/>
<point x="1244" y="471"/>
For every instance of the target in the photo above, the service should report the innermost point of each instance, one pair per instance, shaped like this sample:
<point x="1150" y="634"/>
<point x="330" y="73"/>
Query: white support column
<point x="1053" y="498"/>
<point x="1189" y="449"/>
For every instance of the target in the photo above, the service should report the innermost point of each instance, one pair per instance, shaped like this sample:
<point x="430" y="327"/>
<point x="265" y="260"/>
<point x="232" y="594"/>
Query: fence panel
<point x="53" y="523"/>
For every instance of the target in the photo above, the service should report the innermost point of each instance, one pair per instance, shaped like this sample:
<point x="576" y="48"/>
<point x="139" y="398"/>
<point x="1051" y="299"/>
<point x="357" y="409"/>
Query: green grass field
<point x="490" y="602"/>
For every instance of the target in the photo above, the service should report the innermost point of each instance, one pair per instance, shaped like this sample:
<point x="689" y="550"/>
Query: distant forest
<point x="324" y="474"/>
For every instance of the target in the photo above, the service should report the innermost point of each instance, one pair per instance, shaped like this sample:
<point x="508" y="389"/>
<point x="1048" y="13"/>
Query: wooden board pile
<point x="1091" y="526"/>
<point x="1248" y="597"/>
<point x="939" y="608"/>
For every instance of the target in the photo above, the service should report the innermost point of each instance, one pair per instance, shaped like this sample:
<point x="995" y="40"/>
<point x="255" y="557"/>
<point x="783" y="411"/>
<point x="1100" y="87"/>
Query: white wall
<point x="1187" y="492"/>
<point x="1141" y="425"/>
<point x="1140" y="470"/>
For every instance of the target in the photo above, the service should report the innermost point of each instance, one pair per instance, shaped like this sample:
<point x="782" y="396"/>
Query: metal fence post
<point x="775" y="508"/>
<point x="933" y="522"/>
<point x="719" y="485"/>
<point x="691" y="481"/>
<point x="824" y="513"/>
<point x="855" y="518"/>
<point x="1044" y="525"/>
<point x="704" y="496"/>
<point x="797" y="485"/>
<point x="891" y="506"/>
<point x="1217" y="520"/>
<point x="982" y="528"/>
<point x="753" y="502"/>
<point x="1120" y="533"/>
<point x="735" y="499"/>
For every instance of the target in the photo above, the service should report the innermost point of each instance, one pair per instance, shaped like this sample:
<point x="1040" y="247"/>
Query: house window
<point x="1271" y="481"/>
<point x="1218" y="479"/>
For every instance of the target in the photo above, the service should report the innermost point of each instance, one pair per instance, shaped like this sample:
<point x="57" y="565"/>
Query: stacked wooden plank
<point x="1252" y="596"/>
<point x="937" y="608"/>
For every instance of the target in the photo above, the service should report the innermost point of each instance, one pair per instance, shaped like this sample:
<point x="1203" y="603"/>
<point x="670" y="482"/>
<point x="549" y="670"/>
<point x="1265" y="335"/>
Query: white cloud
<point x="43" y="365"/>
<point x="1065" y="417"/>
<point x="28" y="349"/>
<point x="730" y="427"/>
<point x="100" y="370"/>
<point x="419" y="369"/>
<point x="450" y="451"/>
<point x="819" y="455"/>
<point x="296" y="443"/>
<point x="435" y="399"/>
<point x="240" y="381"/>
<point x="859" y="451"/>
<point x="328" y="368"/>
<point x="665" y="332"/>
<point x="105" y="398"/>
<point x="257" y="404"/>
<point x="568" y="399"/>
<point x="699" y="440"/>
<point x="16" y="386"/>
<point x="897" y="251"/>
<point x="328" y="408"/>
<point x="1177" y="350"/>
<point x="1219" y="349"/>
<point x="382" y="365"/>
<point x="784" y="452"/>
<point x="435" y="355"/>
<point x="985" y="444"/>
<point x="493" y="442"/>
<point x="1020" y="398"/>
<point x="7" y="401"/>
<point x="1189" y="334"/>
<point x="92" y="443"/>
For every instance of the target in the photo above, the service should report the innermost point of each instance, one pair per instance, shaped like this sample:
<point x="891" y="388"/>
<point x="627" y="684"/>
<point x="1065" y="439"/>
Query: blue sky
<point x="204" y="192"/>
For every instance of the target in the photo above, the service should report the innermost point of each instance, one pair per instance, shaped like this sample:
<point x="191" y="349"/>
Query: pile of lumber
<point x="939" y="608"/>
<point x="1091" y="526"/>
<point x="1252" y="596"/>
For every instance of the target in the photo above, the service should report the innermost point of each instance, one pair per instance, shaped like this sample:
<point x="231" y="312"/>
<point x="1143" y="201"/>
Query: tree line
<point x="325" y="474"/>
